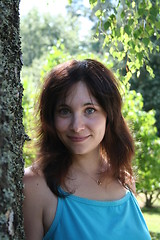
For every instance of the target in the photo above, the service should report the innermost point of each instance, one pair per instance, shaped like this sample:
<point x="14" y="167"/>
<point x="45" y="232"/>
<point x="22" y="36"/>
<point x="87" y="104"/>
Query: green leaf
<point x="154" y="11"/>
<point x="128" y="2"/>
<point x="123" y="14"/>
<point x="133" y="4"/>
<point x="141" y="11"/>
<point x="107" y="24"/>
<point x="150" y="70"/>
<point x="157" y="48"/>
<point x="131" y="43"/>
<point x="140" y="56"/>
<point x="138" y="32"/>
<point x="130" y="21"/>
<point x="157" y="25"/>
<point x="117" y="32"/>
<point x="146" y="41"/>
<point x="127" y="29"/>
<point x="98" y="13"/>
<point x="92" y="1"/>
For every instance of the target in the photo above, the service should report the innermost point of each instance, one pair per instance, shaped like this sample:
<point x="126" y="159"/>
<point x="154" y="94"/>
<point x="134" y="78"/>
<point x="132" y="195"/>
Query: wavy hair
<point x="53" y="158"/>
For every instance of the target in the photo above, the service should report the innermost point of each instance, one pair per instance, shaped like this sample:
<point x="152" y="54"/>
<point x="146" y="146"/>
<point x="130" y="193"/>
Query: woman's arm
<point x="33" y="206"/>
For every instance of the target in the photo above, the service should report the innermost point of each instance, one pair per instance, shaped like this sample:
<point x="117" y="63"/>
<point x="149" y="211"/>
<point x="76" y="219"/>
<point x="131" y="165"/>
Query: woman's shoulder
<point x="35" y="183"/>
<point x="33" y="180"/>
<point x="38" y="196"/>
<point x="32" y="175"/>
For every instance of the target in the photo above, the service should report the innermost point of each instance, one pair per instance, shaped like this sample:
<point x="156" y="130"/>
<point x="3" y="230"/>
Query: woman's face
<point x="80" y="121"/>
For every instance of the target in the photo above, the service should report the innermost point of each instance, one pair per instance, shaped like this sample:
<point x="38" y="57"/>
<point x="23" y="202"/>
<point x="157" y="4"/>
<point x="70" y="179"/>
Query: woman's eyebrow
<point x="91" y="104"/>
<point x="62" y="105"/>
<point x="85" y="104"/>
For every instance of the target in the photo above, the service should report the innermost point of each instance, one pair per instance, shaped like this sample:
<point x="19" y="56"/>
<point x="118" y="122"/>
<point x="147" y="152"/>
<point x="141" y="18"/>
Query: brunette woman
<point x="81" y="185"/>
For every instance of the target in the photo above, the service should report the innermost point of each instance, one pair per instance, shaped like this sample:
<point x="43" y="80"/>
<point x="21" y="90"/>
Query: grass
<point x="152" y="218"/>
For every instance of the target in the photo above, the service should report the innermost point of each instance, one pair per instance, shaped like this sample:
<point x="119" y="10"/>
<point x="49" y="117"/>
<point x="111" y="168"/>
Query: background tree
<point x="147" y="143"/>
<point x="150" y="87"/>
<point x="11" y="129"/>
<point x="40" y="32"/>
<point x="132" y="31"/>
<point x="129" y="31"/>
<point x="131" y="47"/>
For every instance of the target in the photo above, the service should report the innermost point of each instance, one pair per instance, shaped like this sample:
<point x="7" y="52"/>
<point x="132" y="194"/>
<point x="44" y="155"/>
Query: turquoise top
<point x="79" y="218"/>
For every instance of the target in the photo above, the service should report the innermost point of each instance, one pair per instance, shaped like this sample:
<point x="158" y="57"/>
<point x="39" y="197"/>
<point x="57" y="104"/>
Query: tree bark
<point x="12" y="134"/>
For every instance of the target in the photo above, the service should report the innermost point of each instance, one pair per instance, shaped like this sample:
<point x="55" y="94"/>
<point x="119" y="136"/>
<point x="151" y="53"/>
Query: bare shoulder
<point x="119" y="191"/>
<point x="34" y="185"/>
<point x="38" y="201"/>
<point x="33" y="179"/>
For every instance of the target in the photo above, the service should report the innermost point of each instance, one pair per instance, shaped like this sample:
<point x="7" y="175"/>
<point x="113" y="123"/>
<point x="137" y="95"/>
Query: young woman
<point x="81" y="185"/>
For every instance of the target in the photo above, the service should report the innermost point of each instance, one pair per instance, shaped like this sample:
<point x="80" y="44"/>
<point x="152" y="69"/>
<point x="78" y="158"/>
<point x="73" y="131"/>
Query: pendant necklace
<point x="98" y="181"/>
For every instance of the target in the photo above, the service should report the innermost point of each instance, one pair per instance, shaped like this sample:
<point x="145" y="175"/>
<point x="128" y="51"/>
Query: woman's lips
<point x="77" y="139"/>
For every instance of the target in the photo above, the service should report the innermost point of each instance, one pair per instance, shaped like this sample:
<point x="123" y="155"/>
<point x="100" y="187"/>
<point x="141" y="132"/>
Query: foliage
<point x="104" y="11"/>
<point x="60" y="55"/>
<point x="155" y="236"/>
<point x="147" y="144"/>
<point x="132" y="30"/>
<point x="28" y="104"/>
<point x="94" y="41"/>
<point x="150" y="87"/>
<point x="40" y="32"/>
<point x="152" y="218"/>
<point x="129" y="31"/>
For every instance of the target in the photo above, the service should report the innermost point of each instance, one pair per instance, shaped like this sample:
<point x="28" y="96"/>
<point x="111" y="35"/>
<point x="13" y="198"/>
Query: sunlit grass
<point x="152" y="217"/>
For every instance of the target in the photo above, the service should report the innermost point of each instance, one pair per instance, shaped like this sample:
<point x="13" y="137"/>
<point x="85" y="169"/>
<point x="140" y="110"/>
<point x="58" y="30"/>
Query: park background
<point x="125" y="36"/>
<point x="54" y="31"/>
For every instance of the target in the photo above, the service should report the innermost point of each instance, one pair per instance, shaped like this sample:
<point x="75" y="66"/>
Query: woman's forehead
<point x="79" y="92"/>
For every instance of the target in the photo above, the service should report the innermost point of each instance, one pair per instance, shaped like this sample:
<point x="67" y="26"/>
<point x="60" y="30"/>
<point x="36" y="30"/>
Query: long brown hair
<point x="53" y="158"/>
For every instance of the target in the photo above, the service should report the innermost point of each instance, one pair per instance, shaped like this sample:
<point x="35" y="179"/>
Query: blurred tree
<point x="147" y="146"/>
<point x="150" y="87"/>
<point x="94" y="41"/>
<point x="131" y="32"/>
<point x="40" y="32"/>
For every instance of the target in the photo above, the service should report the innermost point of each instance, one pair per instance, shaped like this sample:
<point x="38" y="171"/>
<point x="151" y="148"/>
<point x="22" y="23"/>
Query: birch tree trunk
<point x="12" y="134"/>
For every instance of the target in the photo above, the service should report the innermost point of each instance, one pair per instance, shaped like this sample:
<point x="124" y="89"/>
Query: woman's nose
<point x="77" y="123"/>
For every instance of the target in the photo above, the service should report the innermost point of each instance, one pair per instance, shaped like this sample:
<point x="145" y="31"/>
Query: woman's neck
<point x="90" y="163"/>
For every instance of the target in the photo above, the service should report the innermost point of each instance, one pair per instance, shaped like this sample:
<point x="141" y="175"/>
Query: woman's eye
<point x="64" y="112"/>
<point x="90" y="110"/>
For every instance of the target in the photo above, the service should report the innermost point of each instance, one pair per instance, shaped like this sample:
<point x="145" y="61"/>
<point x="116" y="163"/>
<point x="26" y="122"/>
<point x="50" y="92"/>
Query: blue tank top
<point x="79" y="218"/>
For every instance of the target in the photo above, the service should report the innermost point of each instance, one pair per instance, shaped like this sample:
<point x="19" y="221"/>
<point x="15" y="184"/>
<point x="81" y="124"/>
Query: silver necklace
<point x="98" y="181"/>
